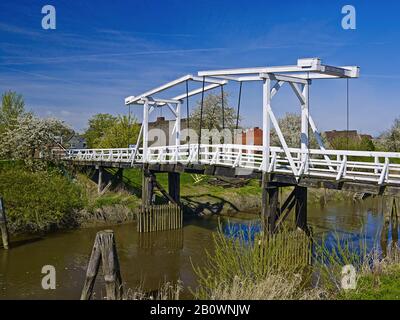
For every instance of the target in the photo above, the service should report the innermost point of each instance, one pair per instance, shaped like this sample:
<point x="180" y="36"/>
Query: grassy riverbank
<point x="56" y="198"/>
<point x="237" y="270"/>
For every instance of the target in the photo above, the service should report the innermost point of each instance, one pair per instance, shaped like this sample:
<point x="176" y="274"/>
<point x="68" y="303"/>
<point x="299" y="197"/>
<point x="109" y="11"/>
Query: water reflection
<point x="151" y="242"/>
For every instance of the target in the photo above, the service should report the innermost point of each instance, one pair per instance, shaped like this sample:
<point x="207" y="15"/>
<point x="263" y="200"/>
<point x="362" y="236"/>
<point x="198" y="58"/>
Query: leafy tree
<point x="212" y="113"/>
<point x="98" y="126"/>
<point x="30" y="138"/>
<point x="12" y="106"/>
<point x="390" y="139"/>
<point x="120" y="134"/>
<point x="367" y="144"/>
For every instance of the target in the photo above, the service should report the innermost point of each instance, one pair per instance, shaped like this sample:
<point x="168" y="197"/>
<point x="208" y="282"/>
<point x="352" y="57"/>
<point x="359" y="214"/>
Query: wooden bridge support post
<point x="390" y="224"/>
<point x="147" y="187"/>
<point x="100" y="180"/>
<point x="301" y="208"/>
<point x="389" y="207"/>
<point x="3" y="225"/>
<point x="270" y="210"/>
<point x="174" y="189"/>
<point x="120" y="175"/>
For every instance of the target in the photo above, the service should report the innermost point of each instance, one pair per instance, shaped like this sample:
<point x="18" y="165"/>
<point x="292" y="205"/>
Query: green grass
<point x="194" y="193"/>
<point x="376" y="287"/>
<point x="134" y="178"/>
<point x="113" y="197"/>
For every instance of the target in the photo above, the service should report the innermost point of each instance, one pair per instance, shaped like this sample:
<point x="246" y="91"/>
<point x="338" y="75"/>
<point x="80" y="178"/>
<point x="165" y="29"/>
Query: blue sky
<point x="103" y="51"/>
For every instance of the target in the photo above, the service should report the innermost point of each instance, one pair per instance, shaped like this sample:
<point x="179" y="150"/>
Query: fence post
<point x="3" y="225"/>
<point x="104" y="247"/>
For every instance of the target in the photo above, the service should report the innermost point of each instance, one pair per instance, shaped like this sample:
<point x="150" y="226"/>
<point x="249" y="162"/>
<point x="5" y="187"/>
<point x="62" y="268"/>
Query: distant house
<point x="250" y="136"/>
<point x="77" y="142"/>
<point x="167" y="127"/>
<point x="333" y="135"/>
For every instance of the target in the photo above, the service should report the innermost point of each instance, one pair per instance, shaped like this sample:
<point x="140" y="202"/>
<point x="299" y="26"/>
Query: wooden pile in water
<point x="160" y="218"/>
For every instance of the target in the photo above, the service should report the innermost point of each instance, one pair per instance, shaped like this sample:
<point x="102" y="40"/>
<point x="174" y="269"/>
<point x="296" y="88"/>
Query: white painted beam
<point x="266" y="124"/>
<point x="282" y="140"/>
<point x="304" y="101"/>
<point x="230" y="72"/>
<point x="209" y="80"/>
<point x="134" y="99"/>
<point x="178" y="128"/>
<point x="159" y="89"/>
<point x="173" y="110"/>
<point x="282" y="77"/>
<point x="196" y="91"/>
<point x="304" y="66"/>
<point x="276" y="88"/>
<point x="299" y="94"/>
<point x="145" y="130"/>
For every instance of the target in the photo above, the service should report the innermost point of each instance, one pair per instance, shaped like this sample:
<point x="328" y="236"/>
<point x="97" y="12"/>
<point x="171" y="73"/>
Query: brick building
<point x="250" y="136"/>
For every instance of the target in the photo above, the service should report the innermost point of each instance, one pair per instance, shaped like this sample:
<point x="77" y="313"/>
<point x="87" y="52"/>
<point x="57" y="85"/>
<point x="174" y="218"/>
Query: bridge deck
<point x="365" y="171"/>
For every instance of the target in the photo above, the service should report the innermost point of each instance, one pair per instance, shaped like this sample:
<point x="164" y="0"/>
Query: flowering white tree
<point x="390" y="139"/>
<point x="212" y="113"/>
<point x="290" y="126"/>
<point x="31" y="138"/>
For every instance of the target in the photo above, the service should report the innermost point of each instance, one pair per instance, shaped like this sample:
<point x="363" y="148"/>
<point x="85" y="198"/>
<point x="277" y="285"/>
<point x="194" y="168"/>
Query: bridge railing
<point x="113" y="155"/>
<point x="368" y="166"/>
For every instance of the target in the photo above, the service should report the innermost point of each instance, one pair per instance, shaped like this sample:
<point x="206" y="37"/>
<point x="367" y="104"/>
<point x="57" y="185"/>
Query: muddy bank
<point x="107" y="215"/>
<point x="231" y="202"/>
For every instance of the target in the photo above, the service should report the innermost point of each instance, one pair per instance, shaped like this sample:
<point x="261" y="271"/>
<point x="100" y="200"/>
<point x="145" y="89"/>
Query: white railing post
<point x="385" y="172"/>
<point x="271" y="167"/>
<point x="342" y="170"/>
<point x="238" y="158"/>
<point x="376" y="161"/>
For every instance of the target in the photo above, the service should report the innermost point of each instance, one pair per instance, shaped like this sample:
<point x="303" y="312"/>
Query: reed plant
<point x="248" y="263"/>
<point x="166" y="291"/>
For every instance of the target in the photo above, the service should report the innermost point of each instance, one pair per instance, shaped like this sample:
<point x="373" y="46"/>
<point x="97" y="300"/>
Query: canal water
<point x="147" y="260"/>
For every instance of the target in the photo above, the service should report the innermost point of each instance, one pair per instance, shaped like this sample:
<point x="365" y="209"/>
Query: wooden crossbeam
<point x="163" y="191"/>
<point x="286" y="208"/>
